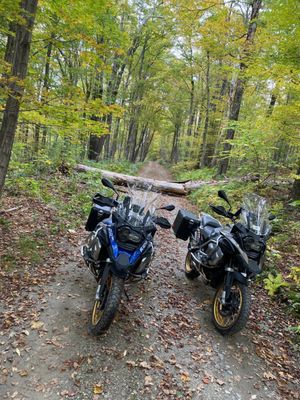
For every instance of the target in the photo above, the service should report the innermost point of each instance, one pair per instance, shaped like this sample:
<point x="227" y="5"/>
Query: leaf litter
<point x="177" y="342"/>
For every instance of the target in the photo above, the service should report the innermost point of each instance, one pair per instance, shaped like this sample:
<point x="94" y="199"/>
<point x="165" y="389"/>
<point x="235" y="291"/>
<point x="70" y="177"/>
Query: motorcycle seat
<point x="207" y="220"/>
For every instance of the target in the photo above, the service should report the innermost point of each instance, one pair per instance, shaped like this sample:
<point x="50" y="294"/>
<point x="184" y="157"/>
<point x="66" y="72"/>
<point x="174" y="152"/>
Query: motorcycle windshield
<point x="255" y="214"/>
<point x="138" y="209"/>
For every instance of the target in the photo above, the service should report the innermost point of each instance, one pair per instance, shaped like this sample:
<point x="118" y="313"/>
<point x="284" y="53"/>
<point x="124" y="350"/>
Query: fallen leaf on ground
<point x="148" y="380"/>
<point x="131" y="363"/>
<point x="98" y="389"/>
<point x="269" y="375"/>
<point x="37" y="324"/>
<point x="145" y="365"/>
<point x="206" y="380"/>
<point x="185" y="376"/>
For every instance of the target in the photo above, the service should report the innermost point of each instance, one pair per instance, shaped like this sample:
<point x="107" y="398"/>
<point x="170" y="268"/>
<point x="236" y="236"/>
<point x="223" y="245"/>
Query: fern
<point x="273" y="283"/>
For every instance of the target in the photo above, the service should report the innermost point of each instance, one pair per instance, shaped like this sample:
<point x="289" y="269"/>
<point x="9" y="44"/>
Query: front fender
<point x="120" y="265"/>
<point x="237" y="276"/>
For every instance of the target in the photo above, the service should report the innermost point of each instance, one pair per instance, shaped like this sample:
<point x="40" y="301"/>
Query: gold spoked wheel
<point x="232" y="317"/>
<point x="99" y="305"/>
<point x="227" y="315"/>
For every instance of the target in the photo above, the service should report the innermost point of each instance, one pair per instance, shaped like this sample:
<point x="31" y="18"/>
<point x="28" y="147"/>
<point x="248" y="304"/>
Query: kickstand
<point x="126" y="294"/>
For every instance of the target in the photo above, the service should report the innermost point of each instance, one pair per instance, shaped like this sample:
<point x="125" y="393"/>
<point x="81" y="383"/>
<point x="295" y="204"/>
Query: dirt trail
<point x="161" y="346"/>
<point x="154" y="170"/>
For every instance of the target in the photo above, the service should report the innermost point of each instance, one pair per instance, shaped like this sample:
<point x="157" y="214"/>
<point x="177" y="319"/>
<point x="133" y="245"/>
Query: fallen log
<point x="137" y="181"/>
<point x="174" y="188"/>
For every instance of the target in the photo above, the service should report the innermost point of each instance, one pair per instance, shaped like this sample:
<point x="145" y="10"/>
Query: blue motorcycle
<point x="119" y="247"/>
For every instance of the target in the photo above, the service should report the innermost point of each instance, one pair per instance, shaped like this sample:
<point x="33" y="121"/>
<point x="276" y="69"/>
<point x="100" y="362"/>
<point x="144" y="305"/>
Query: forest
<point x="199" y="93"/>
<point x="213" y="83"/>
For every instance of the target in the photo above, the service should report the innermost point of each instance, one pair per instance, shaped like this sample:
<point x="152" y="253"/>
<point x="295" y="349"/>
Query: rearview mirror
<point x="169" y="207"/>
<point x="107" y="183"/>
<point x="163" y="222"/>
<point x="223" y="196"/>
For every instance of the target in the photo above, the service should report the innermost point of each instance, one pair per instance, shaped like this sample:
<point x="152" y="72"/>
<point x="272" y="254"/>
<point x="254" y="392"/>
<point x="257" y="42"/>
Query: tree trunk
<point x="20" y="59"/>
<point x="191" y="110"/>
<point x="144" y="183"/>
<point x="240" y="86"/>
<point x="96" y="142"/>
<point x="46" y="82"/>
<point x="174" y="153"/>
<point x="296" y="186"/>
<point x="203" y="160"/>
<point x="136" y="109"/>
<point x="146" y="145"/>
<point x="271" y="105"/>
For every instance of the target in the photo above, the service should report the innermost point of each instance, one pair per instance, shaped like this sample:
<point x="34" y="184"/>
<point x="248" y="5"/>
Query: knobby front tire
<point x="235" y="321"/>
<point x="105" y="311"/>
<point x="190" y="272"/>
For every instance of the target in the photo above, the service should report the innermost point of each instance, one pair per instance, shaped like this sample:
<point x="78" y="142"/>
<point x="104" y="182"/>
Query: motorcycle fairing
<point x="229" y="237"/>
<point x="123" y="259"/>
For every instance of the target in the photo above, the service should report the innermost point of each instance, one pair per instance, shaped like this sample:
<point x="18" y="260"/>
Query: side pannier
<point x="185" y="223"/>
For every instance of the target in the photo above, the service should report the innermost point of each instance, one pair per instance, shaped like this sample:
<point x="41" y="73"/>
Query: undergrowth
<point x="69" y="193"/>
<point x="187" y="170"/>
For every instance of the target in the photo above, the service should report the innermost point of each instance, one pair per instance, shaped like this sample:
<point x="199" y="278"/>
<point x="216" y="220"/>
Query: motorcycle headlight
<point x="134" y="237"/>
<point x="251" y="244"/>
<point x="123" y="234"/>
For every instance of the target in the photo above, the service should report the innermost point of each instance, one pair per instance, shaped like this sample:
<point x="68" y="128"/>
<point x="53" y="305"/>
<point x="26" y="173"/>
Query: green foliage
<point x="208" y="194"/>
<point x="295" y="203"/>
<point x="273" y="283"/>
<point x="70" y="194"/>
<point x="4" y="223"/>
<point x="293" y="290"/>
<point x="122" y="166"/>
<point x="8" y="262"/>
<point x="188" y="171"/>
<point x="295" y="329"/>
<point x="31" y="247"/>
<point x="26" y="185"/>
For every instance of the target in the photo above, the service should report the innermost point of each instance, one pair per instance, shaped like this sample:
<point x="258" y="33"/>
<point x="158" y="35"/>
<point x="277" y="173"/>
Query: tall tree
<point x="20" y="50"/>
<point x="240" y="84"/>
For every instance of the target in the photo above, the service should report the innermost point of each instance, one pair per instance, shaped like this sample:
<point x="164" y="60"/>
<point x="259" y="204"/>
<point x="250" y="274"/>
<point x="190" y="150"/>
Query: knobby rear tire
<point x="110" y="308"/>
<point x="243" y="315"/>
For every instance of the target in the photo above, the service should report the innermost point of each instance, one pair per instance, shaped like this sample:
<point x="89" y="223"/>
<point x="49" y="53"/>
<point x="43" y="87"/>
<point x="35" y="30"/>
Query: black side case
<point x="185" y="223"/>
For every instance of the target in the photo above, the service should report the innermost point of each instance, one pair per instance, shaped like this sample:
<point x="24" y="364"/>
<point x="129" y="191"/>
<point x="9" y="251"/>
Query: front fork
<point x="102" y="281"/>
<point x="228" y="282"/>
<point x="230" y="276"/>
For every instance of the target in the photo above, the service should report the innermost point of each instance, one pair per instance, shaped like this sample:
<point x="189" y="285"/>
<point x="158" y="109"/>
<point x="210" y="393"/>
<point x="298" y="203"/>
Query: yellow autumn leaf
<point x="37" y="325"/>
<point x="98" y="389"/>
<point x="185" y="377"/>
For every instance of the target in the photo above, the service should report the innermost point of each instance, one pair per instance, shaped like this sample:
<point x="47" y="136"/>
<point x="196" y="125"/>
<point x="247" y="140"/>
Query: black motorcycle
<point x="119" y="247"/>
<point x="227" y="256"/>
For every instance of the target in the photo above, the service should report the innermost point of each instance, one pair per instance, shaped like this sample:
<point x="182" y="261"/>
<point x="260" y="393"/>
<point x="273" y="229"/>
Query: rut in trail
<point x="162" y="345"/>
